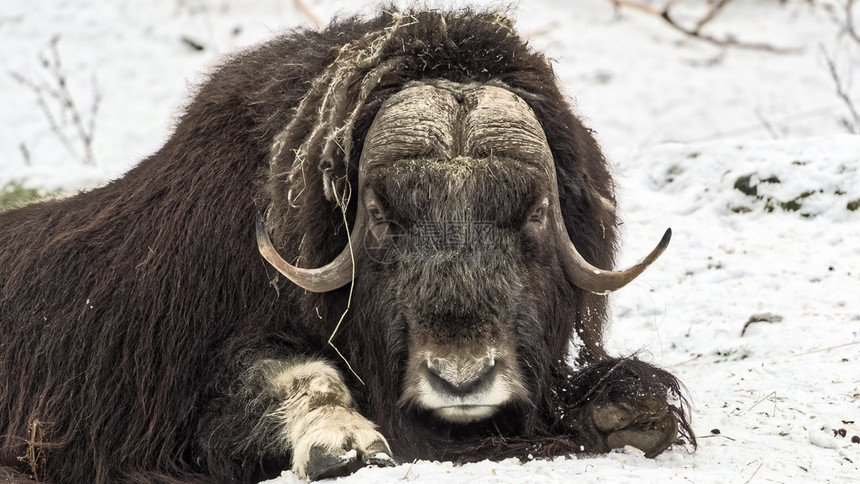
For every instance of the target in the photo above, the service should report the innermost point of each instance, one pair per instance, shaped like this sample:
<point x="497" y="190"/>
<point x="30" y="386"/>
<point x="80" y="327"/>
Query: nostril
<point x="453" y="387"/>
<point x="433" y="366"/>
<point x="488" y="363"/>
<point x="460" y="379"/>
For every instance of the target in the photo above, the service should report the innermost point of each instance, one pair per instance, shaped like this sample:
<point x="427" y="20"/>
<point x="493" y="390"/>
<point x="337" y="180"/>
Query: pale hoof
<point x="338" y="442"/>
<point x="323" y="464"/>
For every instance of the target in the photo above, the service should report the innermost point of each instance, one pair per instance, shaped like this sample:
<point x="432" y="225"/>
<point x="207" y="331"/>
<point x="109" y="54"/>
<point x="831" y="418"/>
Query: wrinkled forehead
<point x="442" y="124"/>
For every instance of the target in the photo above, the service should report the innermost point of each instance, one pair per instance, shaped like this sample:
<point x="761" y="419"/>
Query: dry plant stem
<point x="715" y="8"/>
<point x="754" y="473"/>
<point x="771" y="130"/>
<point x="85" y="132"/>
<point x="25" y="153"/>
<point x="820" y="350"/>
<point x="62" y="97"/>
<point x="409" y="470"/>
<point x="696" y="31"/>
<point x="849" y="21"/>
<point x="780" y="121"/>
<point x="342" y="204"/>
<point x="715" y="437"/>
<point x="35" y="458"/>
<point x="854" y="126"/>
<point x="686" y="361"/>
<point x="634" y="6"/>
<point x="307" y="12"/>
<point x="771" y="394"/>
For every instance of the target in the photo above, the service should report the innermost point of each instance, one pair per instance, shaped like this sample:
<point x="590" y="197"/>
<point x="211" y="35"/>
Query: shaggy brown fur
<point x="130" y="314"/>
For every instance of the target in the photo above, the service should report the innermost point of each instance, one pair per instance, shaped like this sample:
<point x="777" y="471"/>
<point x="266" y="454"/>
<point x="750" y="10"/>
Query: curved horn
<point x="582" y="274"/>
<point x="529" y="132"/>
<point x="334" y="275"/>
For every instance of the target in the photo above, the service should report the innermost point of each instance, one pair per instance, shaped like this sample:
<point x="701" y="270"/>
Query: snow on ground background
<point x="683" y="123"/>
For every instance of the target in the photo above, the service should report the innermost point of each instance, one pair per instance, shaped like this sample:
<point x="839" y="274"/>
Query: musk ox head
<point x="459" y="231"/>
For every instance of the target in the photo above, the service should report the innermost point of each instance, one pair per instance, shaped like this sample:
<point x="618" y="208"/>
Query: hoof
<point x="338" y="441"/>
<point x="652" y="438"/>
<point x="325" y="464"/>
<point x="646" y="424"/>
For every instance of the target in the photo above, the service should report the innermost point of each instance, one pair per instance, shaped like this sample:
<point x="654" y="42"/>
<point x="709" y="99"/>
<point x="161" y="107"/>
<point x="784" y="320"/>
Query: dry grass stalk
<point x="36" y="457"/>
<point x="820" y="350"/>
<point x="754" y="473"/>
<point x="342" y="204"/>
<point x="696" y="32"/>
<point x="771" y="394"/>
<point x="406" y="476"/>
<point x="307" y="12"/>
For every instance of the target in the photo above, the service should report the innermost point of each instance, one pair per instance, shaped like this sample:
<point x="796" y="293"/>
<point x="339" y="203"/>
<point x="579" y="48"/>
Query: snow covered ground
<point x="744" y="153"/>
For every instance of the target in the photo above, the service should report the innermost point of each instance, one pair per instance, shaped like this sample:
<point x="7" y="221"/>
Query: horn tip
<point x="664" y="242"/>
<point x="262" y="233"/>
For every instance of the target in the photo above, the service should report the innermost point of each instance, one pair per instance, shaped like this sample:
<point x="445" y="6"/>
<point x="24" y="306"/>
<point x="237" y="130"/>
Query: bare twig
<point x="307" y="12"/>
<point x="635" y="6"/>
<point x="850" y="29"/>
<point x="687" y="361"/>
<point x="754" y="473"/>
<point x="696" y="32"/>
<point x="25" y="152"/>
<point x="712" y="13"/>
<point x="844" y="19"/>
<point x="64" y="111"/>
<point x="712" y="436"/>
<point x="782" y="121"/>
<point x="771" y="394"/>
<point x="773" y="134"/>
<point x="842" y="92"/>
<point x="35" y="458"/>
<point x="820" y="350"/>
<point x="409" y="470"/>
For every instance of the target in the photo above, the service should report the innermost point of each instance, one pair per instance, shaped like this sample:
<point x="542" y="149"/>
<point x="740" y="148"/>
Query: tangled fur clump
<point x="332" y="109"/>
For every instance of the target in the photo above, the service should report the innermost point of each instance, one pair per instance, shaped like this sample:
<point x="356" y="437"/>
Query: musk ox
<point x="380" y="241"/>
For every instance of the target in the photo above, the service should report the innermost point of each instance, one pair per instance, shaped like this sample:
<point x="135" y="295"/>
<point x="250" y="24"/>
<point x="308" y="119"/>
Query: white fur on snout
<point x="503" y="386"/>
<point x="465" y="414"/>
<point x="460" y="370"/>
<point x="478" y="405"/>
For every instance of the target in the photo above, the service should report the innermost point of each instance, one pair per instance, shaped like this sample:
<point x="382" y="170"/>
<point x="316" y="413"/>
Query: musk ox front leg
<point x="313" y="416"/>
<point x="629" y="402"/>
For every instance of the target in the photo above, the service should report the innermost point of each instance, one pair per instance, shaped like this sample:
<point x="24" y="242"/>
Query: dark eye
<point x="374" y="211"/>
<point x="538" y="214"/>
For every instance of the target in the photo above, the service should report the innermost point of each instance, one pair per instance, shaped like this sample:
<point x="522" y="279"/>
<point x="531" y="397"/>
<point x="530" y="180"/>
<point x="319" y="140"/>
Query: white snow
<point x="351" y="455"/>
<point x="682" y="122"/>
